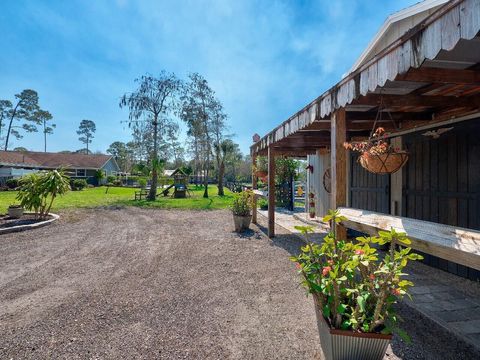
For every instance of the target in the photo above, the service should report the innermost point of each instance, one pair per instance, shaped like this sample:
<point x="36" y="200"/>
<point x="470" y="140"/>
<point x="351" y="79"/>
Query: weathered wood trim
<point x="456" y="244"/>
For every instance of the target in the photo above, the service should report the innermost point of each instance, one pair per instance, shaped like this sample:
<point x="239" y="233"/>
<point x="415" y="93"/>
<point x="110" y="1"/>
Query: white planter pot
<point x="347" y="345"/>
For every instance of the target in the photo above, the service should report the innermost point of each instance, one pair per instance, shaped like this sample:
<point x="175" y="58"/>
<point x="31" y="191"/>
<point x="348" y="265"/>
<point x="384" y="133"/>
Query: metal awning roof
<point x="429" y="73"/>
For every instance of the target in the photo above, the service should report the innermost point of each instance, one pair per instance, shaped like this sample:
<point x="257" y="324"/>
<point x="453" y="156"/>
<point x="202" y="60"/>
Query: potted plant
<point x="377" y="155"/>
<point x="241" y="206"/>
<point x="311" y="205"/>
<point x="354" y="289"/>
<point x="15" y="211"/>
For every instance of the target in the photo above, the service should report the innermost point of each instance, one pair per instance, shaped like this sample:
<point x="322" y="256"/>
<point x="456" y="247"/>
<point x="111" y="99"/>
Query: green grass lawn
<point x="124" y="196"/>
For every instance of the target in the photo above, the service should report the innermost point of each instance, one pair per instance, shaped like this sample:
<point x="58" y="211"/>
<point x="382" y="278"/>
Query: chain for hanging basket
<point x="387" y="162"/>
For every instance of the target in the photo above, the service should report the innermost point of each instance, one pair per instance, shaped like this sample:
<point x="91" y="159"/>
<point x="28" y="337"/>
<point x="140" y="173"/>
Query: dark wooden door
<point x="368" y="191"/>
<point x="441" y="182"/>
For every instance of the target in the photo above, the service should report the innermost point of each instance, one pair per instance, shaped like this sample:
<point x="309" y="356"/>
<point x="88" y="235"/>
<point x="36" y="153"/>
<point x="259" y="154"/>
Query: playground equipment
<point x="180" y="181"/>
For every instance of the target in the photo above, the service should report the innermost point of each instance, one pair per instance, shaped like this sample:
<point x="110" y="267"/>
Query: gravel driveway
<point x="138" y="283"/>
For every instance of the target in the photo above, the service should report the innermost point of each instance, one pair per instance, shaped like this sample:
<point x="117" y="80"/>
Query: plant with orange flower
<point x="354" y="285"/>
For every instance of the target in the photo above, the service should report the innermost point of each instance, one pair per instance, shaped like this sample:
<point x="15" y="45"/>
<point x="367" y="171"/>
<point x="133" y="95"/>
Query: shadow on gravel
<point x="288" y="242"/>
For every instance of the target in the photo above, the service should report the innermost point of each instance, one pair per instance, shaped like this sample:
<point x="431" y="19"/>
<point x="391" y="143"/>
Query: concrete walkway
<point x="450" y="301"/>
<point x="289" y="219"/>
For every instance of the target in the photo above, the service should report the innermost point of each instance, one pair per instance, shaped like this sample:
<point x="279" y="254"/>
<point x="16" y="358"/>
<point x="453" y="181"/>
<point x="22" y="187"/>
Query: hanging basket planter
<point x="261" y="173"/>
<point x="387" y="163"/>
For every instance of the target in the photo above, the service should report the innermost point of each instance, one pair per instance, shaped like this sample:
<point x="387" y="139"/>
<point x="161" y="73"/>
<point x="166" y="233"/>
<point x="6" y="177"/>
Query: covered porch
<point x="424" y="90"/>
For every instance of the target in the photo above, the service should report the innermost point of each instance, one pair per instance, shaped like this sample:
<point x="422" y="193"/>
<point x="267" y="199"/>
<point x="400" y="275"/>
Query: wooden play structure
<point x="180" y="182"/>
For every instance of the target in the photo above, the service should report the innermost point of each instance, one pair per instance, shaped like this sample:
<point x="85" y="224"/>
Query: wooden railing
<point x="456" y="244"/>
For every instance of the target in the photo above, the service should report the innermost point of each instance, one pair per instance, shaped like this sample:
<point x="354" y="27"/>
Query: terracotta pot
<point x="385" y="163"/>
<point x="312" y="215"/>
<point x="15" y="212"/>
<point x="341" y="344"/>
<point x="241" y="222"/>
<point x="261" y="173"/>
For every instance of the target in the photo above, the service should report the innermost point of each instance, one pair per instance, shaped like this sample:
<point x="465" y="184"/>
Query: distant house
<point x="14" y="164"/>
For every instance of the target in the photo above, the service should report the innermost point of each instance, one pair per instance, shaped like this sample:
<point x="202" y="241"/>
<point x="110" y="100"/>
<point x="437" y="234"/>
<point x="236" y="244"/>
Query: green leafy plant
<point x="99" y="175"/>
<point x="142" y="182"/>
<point x="355" y="286"/>
<point x="242" y="203"/>
<point x="263" y="204"/>
<point x="12" y="183"/>
<point x="78" y="184"/>
<point x="38" y="191"/>
<point x="111" y="179"/>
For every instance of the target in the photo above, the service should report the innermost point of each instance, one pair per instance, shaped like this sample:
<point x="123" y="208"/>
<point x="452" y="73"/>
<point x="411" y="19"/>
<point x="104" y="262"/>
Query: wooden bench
<point x="141" y="194"/>
<point x="456" y="244"/>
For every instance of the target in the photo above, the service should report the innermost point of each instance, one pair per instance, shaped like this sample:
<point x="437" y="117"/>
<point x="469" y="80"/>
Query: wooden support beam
<point x="271" y="192"/>
<point x="418" y="100"/>
<point x="254" y="187"/>
<point x="339" y="164"/>
<point x="441" y="76"/>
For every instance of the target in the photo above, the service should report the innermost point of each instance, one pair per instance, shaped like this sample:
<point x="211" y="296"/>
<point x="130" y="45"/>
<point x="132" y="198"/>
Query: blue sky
<point x="264" y="59"/>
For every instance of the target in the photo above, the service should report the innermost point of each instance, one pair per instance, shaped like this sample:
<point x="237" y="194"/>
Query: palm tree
<point x="223" y="150"/>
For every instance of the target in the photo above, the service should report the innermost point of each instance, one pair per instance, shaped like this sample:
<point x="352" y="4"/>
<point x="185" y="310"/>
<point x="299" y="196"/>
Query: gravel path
<point x="157" y="284"/>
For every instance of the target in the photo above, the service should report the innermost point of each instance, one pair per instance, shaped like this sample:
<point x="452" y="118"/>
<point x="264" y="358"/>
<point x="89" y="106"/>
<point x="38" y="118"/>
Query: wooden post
<point x="271" y="192"/>
<point x="396" y="184"/>
<point x="254" y="187"/>
<point x="339" y="164"/>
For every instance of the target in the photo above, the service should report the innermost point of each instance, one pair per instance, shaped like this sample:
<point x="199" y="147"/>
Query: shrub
<point x="354" y="286"/>
<point x="79" y="184"/>
<point x="99" y="175"/>
<point x="111" y="179"/>
<point x="38" y="191"/>
<point x="12" y="183"/>
<point x="263" y="204"/>
<point x="242" y="203"/>
<point x="117" y="182"/>
<point x="142" y="182"/>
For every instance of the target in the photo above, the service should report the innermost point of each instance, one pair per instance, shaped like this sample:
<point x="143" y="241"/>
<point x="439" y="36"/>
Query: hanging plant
<point x="377" y="155"/>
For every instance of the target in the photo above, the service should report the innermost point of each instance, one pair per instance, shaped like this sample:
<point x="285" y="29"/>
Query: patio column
<point x="339" y="163"/>
<point x="271" y="192"/>
<point x="254" y="187"/>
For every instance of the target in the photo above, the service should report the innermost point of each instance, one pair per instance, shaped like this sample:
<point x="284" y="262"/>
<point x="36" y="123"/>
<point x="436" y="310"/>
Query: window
<point x="80" y="172"/>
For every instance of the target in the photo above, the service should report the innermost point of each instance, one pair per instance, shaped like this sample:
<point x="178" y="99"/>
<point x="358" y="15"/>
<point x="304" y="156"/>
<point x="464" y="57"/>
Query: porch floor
<point x="448" y="300"/>
<point x="289" y="219"/>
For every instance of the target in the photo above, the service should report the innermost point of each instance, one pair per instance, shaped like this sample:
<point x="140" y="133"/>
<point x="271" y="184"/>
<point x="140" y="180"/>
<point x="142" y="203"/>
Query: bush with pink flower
<point x="354" y="285"/>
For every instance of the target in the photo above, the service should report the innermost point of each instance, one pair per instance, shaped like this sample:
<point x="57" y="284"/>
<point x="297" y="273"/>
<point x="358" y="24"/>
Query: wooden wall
<point x="368" y="191"/>
<point x="320" y="162"/>
<point x="441" y="183"/>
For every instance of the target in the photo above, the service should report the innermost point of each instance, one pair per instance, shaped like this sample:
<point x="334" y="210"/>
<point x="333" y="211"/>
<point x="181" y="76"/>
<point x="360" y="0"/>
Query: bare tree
<point x="198" y="102"/>
<point x="152" y="102"/>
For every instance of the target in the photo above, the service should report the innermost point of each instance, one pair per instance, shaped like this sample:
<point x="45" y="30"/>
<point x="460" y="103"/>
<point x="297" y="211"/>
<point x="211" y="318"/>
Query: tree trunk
<point x="221" y="174"/>
<point x="152" y="195"/>
<point x="205" y="173"/>
<point x="44" y="137"/>
<point x="10" y="126"/>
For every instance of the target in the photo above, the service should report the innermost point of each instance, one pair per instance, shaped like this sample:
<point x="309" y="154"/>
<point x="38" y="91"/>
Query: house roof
<point x="52" y="160"/>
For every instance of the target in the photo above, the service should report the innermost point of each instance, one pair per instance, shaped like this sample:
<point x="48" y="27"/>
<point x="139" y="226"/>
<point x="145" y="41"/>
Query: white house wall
<point x="320" y="163"/>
